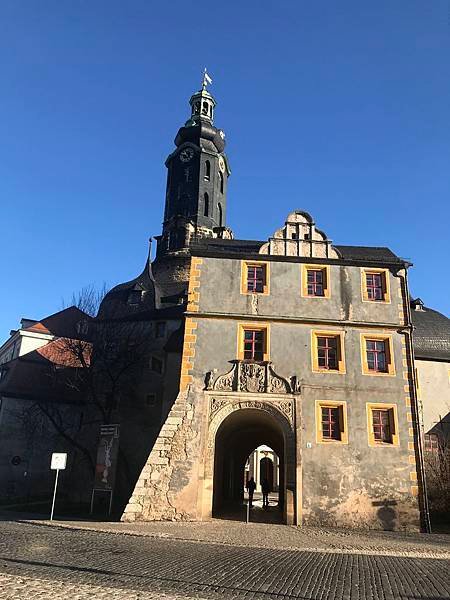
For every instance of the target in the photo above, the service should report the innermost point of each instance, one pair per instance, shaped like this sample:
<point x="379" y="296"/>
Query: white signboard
<point x="59" y="460"/>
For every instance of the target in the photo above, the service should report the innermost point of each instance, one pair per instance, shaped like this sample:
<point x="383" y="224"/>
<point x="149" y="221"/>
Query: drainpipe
<point x="416" y="421"/>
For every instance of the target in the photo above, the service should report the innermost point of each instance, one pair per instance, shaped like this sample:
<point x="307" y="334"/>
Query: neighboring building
<point x="35" y="334"/>
<point x="295" y="343"/>
<point x="432" y="360"/>
<point x="40" y="409"/>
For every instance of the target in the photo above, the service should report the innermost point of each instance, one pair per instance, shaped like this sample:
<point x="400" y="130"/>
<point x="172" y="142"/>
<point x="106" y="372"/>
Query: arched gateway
<point x="197" y="463"/>
<point x="248" y="407"/>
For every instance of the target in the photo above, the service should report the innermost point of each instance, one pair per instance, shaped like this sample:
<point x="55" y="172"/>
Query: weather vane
<point x="206" y="79"/>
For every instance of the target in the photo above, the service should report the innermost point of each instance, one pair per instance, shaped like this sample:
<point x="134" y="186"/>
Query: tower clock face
<point x="221" y="164"/>
<point x="186" y="155"/>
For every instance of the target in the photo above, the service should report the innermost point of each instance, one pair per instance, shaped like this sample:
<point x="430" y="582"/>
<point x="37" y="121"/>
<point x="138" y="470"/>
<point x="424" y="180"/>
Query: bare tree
<point x="437" y="465"/>
<point x="90" y="373"/>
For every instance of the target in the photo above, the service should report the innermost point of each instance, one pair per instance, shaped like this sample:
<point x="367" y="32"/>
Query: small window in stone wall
<point x="150" y="400"/>
<point x="255" y="278"/>
<point x="160" y="329"/>
<point x="377" y="355"/>
<point x="134" y="297"/>
<point x="315" y="281"/>
<point x="375" y="286"/>
<point x="431" y="443"/>
<point x="253" y="343"/>
<point x="382" y="424"/>
<point x="156" y="365"/>
<point x="331" y="422"/>
<point x="328" y="352"/>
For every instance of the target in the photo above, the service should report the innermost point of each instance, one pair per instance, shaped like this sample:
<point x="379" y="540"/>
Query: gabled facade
<point x="303" y="346"/>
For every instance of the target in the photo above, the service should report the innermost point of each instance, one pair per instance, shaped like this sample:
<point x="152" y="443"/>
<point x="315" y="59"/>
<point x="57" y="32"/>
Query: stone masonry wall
<point x="154" y="497"/>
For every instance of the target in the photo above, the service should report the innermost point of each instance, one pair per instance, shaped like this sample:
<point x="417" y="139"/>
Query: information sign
<point x="59" y="460"/>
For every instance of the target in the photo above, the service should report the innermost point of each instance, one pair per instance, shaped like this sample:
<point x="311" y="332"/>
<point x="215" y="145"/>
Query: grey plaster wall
<point x="221" y="291"/>
<point x="343" y="484"/>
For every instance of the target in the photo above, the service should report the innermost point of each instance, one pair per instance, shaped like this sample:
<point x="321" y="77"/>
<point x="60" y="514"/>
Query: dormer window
<point x="134" y="297"/>
<point x="160" y="329"/>
<point x="82" y="327"/>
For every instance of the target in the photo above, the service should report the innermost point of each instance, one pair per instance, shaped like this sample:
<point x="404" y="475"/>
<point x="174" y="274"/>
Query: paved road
<point x="50" y="562"/>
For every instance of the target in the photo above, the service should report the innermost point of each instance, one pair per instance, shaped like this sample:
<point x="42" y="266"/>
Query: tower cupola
<point x="202" y="106"/>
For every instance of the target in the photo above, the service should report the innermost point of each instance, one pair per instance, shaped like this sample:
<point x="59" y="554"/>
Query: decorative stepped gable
<point x="299" y="237"/>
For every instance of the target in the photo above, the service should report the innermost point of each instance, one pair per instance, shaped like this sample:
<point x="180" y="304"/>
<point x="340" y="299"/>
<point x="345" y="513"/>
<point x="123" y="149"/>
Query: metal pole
<point x="110" y="502"/>
<point x="54" y="494"/>
<point x="248" y="508"/>
<point x="92" y="502"/>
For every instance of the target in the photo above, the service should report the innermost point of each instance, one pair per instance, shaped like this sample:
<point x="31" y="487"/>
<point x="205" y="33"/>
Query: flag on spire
<point x="206" y="79"/>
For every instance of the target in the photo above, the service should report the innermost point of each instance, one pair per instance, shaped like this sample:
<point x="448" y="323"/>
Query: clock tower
<point x="197" y="181"/>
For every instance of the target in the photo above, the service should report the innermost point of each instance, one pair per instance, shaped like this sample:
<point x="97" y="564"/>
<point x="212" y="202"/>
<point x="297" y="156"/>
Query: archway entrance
<point x="239" y="435"/>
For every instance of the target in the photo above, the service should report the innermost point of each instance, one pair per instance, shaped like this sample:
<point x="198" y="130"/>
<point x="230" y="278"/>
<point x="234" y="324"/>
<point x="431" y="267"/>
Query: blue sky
<point x="337" y="108"/>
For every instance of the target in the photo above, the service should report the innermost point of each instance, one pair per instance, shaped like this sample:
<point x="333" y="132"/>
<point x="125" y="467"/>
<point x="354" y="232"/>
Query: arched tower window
<point x="207" y="170"/>
<point x="206" y="205"/>
<point x="220" y="214"/>
<point x="221" y="182"/>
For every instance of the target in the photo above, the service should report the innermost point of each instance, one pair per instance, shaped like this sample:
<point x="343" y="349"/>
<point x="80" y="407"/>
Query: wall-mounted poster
<point x="107" y="451"/>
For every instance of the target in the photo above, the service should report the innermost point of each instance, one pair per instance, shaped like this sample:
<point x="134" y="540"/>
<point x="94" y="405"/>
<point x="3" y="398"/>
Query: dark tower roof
<point x="431" y="332"/>
<point x="131" y="297"/>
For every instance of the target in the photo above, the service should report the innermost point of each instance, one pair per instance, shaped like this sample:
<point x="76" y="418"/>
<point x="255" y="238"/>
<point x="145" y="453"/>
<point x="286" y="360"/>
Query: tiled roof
<point x="115" y="303"/>
<point x="431" y="334"/>
<point x="368" y="253"/>
<point x="37" y="376"/>
<point x="357" y="253"/>
<point x="61" y="324"/>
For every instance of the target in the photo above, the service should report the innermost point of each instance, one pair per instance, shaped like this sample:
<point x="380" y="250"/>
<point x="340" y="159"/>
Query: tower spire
<point x="202" y="103"/>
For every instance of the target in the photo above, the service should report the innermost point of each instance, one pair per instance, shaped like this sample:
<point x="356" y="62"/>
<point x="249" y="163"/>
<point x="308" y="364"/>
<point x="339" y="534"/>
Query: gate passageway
<point x="238" y="436"/>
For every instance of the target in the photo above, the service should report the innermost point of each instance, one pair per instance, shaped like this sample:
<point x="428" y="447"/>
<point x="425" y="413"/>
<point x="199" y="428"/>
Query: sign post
<point x="59" y="460"/>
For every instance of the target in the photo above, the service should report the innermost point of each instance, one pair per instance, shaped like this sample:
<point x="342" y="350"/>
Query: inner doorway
<point x="239" y="436"/>
<point x="263" y="466"/>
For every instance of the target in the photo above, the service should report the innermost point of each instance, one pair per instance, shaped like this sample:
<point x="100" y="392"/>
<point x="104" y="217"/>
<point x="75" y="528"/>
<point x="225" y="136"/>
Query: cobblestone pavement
<point x="258" y="535"/>
<point x="38" y="561"/>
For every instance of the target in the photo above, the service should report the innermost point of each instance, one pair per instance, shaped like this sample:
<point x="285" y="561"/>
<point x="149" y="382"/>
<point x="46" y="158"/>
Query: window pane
<point x="254" y="344"/>
<point x="327" y="354"/>
<point x="374" y="285"/>
<point x="381" y="426"/>
<point x="315" y="280"/>
<point x="255" y="278"/>
<point x="330" y="423"/>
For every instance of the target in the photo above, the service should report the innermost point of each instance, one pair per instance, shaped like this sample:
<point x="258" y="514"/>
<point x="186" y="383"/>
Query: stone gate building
<point x="293" y="342"/>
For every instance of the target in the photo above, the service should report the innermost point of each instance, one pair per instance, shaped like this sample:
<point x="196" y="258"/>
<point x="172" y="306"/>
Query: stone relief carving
<point x="252" y="378"/>
<point x="254" y="304"/>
